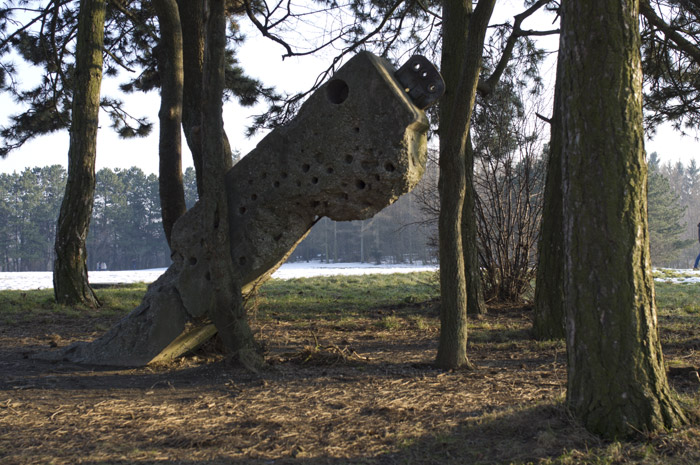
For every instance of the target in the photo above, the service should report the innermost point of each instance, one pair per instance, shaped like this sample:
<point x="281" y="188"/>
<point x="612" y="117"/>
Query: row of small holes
<point x="360" y="184"/>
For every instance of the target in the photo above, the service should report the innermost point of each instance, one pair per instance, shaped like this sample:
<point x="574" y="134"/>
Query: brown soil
<point x="332" y="394"/>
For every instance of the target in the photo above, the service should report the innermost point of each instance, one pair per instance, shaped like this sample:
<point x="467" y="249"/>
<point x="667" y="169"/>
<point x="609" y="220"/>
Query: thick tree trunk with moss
<point x="616" y="379"/>
<point x="70" y="280"/>
<point x="549" y="313"/>
<point x="461" y="64"/>
<point x="475" y="291"/>
<point x="170" y="67"/>
<point x="228" y="312"/>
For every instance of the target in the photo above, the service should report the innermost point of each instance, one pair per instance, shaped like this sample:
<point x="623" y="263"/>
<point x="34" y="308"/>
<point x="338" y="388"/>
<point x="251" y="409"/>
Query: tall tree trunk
<point x="193" y="35"/>
<point x="549" y="315"/>
<point x="192" y="22"/>
<point x="70" y="280"/>
<point x="170" y="67"/>
<point x="228" y="313"/>
<point x="616" y="379"/>
<point x="475" y="291"/>
<point x="461" y="64"/>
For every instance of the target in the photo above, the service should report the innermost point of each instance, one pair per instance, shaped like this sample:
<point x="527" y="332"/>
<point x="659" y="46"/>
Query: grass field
<point x="349" y="380"/>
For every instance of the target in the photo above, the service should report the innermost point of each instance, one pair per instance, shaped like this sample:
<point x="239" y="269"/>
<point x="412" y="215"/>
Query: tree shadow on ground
<point x="529" y="435"/>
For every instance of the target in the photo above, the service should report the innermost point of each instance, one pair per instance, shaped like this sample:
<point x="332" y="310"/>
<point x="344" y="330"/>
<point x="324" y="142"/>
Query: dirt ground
<point x="333" y="394"/>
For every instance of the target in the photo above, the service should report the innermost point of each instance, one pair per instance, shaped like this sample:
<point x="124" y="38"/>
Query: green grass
<point x="342" y="297"/>
<point x="19" y="307"/>
<point x="674" y="297"/>
<point x="667" y="273"/>
<point x="392" y="303"/>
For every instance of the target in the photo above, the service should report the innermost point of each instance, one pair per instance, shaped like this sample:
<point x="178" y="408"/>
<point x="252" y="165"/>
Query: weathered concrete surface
<point x="355" y="146"/>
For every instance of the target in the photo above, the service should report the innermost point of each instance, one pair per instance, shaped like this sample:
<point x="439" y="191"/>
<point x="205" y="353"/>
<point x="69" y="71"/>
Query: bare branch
<point x="487" y="86"/>
<point x="681" y="42"/>
<point x="544" y="118"/>
<point x="120" y="6"/>
<point x="117" y="60"/>
<point x="265" y="31"/>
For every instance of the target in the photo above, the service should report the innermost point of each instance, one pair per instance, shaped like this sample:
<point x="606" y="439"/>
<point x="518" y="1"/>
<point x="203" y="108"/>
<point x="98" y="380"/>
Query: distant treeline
<point x="674" y="212"/>
<point x="126" y="230"/>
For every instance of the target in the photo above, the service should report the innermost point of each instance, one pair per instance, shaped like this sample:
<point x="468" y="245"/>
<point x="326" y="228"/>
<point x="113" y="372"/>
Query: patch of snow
<point x="683" y="276"/>
<point x="26" y="280"/>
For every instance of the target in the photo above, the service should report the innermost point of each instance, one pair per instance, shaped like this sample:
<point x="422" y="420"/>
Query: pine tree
<point x="666" y="217"/>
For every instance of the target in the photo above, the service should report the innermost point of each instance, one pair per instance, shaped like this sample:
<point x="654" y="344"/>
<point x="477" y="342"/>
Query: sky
<point x="260" y="58"/>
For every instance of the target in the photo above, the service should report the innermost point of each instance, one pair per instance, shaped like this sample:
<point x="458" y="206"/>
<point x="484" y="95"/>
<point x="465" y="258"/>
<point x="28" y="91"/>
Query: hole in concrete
<point x="298" y="183"/>
<point x="416" y="66"/>
<point x="193" y="261"/>
<point x="337" y="91"/>
<point x="314" y="180"/>
<point x="242" y="260"/>
<point x="348" y="159"/>
<point x="389" y="166"/>
<point x="254" y="197"/>
<point x="278" y="237"/>
<point x="276" y="184"/>
<point x="305" y="167"/>
<point x="315" y="203"/>
<point x="207" y="276"/>
<point x="329" y="170"/>
<point x="360" y="184"/>
<point x="284" y="175"/>
<point x="242" y="210"/>
<point x="263" y="176"/>
<point x="357" y="129"/>
<point x="377" y="177"/>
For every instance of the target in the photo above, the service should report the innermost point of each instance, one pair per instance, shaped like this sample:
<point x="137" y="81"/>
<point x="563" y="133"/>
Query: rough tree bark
<point x="460" y="67"/>
<point x="475" y="291"/>
<point x="549" y="314"/>
<point x="616" y="379"/>
<point x="228" y="312"/>
<point x="192" y="23"/>
<point x="70" y="280"/>
<point x="170" y="67"/>
<point x="192" y="16"/>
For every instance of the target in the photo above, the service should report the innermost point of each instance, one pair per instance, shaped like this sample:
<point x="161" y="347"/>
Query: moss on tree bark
<point x="475" y="291"/>
<point x="70" y="280"/>
<point x="549" y="314"/>
<point x="170" y="67"/>
<point x="616" y="379"/>
<point x="228" y="313"/>
<point x="463" y="42"/>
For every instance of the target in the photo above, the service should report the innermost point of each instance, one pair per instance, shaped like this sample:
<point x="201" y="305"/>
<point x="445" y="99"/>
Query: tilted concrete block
<point x="356" y="145"/>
